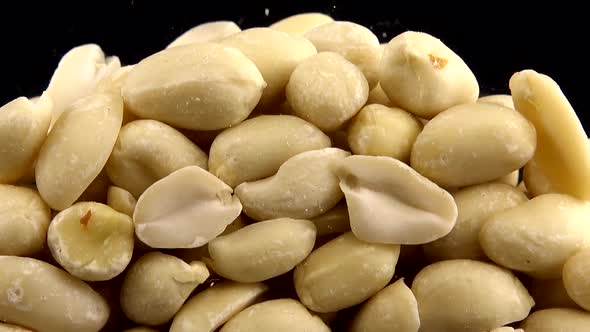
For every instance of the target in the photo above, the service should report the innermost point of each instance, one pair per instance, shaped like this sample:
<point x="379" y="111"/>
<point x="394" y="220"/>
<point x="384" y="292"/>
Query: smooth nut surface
<point x="378" y="96"/>
<point x="200" y="86"/>
<point x="299" y="24"/>
<point x="576" y="278"/>
<point x="550" y="293"/>
<point x="388" y="202"/>
<point x="558" y="320"/>
<point x="510" y="178"/>
<point x="537" y="180"/>
<point x="262" y="250"/>
<point x="206" y="32"/>
<point x="344" y="272"/>
<point x="304" y="187"/>
<point x="336" y="220"/>
<point x="465" y="295"/>
<point x="257" y="147"/>
<point x="489" y="138"/>
<point x="502" y="100"/>
<point x="40" y="296"/>
<point x="12" y="328"/>
<point x="121" y="200"/>
<point x="186" y="209"/>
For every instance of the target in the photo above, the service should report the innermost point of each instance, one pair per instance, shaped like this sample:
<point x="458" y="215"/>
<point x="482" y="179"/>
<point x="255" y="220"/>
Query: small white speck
<point x="266" y="11"/>
<point x="384" y="34"/>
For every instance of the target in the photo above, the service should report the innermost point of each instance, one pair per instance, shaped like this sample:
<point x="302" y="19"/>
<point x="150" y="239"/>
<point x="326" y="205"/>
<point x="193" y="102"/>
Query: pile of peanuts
<point x="272" y="179"/>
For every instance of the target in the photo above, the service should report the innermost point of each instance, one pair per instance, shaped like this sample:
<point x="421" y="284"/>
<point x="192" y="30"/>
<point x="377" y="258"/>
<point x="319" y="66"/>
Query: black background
<point x="495" y="39"/>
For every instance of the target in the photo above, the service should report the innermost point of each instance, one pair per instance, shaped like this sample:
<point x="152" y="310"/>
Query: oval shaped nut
<point x="327" y="90"/>
<point x="211" y="308"/>
<point x="475" y="205"/>
<point x="576" y="278"/>
<point x="378" y="96"/>
<point x="465" y="295"/>
<point x="91" y="241"/>
<point x="262" y="250"/>
<point x="24" y="219"/>
<point x="510" y="179"/>
<point x="285" y="315"/>
<point x="257" y="147"/>
<point x="40" y="296"/>
<point x="354" y="42"/>
<point x="206" y="32"/>
<point x="147" y="151"/>
<point x="276" y="60"/>
<point x="186" y="209"/>
<point x="303" y="187"/>
<point x="334" y="221"/>
<point x="299" y="24"/>
<point x="562" y="154"/>
<point x="344" y="272"/>
<point x="502" y="100"/>
<point x="394" y="308"/>
<point x="121" y="200"/>
<point x="538" y="236"/>
<point x="389" y="202"/>
<point x="378" y="130"/>
<point x="558" y="320"/>
<point x="156" y="286"/>
<point x="77" y="148"/>
<point x="200" y="86"/>
<point x="550" y="293"/>
<point x="12" y="328"/>
<point x="491" y="139"/>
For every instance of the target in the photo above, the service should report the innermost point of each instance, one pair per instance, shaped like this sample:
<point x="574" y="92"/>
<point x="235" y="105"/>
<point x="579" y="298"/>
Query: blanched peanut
<point x="557" y="320"/>
<point x="394" y="308"/>
<point x="206" y="32"/>
<point x="199" y="86"/>
<point x="257" y="147"/>
<point x="77" y="148"/>
<point x="276" y="60"/>
<point x="211" y="308"/>
<point x="344" y="272"/>
<point x="379" y="130"/>
<point x="186" y="209"/>
<point x="562" y="155"/>
<point x="550" y="293"/>
<point x="91" y="241"/>
<point x="157" y="285"/>
<point x="423" y="76"/>
<point x="262" y="250"/>
<point x="510" y="179"/>
<point x="40" y="296"/>
<point x="334" y="221"/>
<point x="24" y="219"/>
<point x="489" y="138"/>
<point x="121" y="200"/>
<point x="12" y="328"/>
<point x="354" y="42"/>
<point x="147" y="151"/>
<point x="538" y="236"/>
<point x="378" y="96"/>
<point x="301" y="23"/>
<point x="475" y="205"/>
<point x="465" y="295"/>
<point x="327" y="90"/>
<point x="285" y="315"/>
<point x="502" y="100"/>
<point x="388" y="202"/>
<point x="537" y="180"/>
<point x="303" y="187"/>
<point x="576" y="278"/>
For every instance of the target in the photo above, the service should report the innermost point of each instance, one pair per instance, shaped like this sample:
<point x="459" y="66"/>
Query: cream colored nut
<point x="140" y="329"/>
<point x="199" y="86"/>
<point x="537" y="180"/>
<point x="40" y="296"/>
<point x="24" y="219"/>
<point x="77" y="148"/>
<point x="211" y="308"/>
<point x="475" y="205"/>
<point x="562" y="155"/>
<point x="156" y="286"/>
<point x="550" y="293"/>
<point x="354" y="42"/>
<point x="327" y="90"/>
<point x="465" y="295"/>
<point x="576" y="278"/>
<point x="304" y="187"/>
<point x="276" y="61"/>
<point x="388" y="202"/>
<point x="378" y="96"/>
<point x="286" y="315"/>
<point x="147" y="151"/>
<point x="262" y="250"/>
<point x="379" y="130"/>
<point x="538" y="236"/>
<point x="489" y="138"/>
<point x="334" y="221"/>
<point x="257" y="147"/>
<point x="506" y="329"/>
<point x="301" y="23"/>
<point x="206" y="32"/>
<point x="91" y="241"/>
<point x="186" y="209"/>
<point x="557" y="320"/>
<point x="115" y="79"/>
<point x="344" y="272"/>
<point x="12" y="328"/>
<point x="394" y="308"/>
<point x="23" y="129"/>
<point x="510" y="179"/>
<point x="121" y="200"/>
<point x="502" y="100"/>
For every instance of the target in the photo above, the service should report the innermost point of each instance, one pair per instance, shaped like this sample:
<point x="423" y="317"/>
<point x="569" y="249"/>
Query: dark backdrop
<point x="494" y="38"/>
